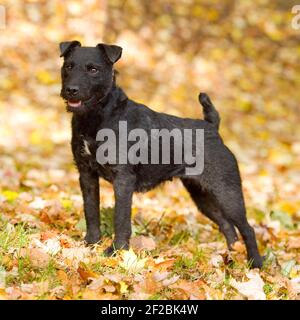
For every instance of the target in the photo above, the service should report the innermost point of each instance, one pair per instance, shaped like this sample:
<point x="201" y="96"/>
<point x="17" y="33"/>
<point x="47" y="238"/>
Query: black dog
<point x="89" y="88"/>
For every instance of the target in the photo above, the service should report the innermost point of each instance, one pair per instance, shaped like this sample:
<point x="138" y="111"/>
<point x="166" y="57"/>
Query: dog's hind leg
<point x="207" y="204"/>
<point x="231" y="200"/>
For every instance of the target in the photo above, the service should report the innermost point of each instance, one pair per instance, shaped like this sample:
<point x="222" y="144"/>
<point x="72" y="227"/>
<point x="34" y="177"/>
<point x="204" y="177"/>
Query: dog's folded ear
<point x="67" y="46"/>
<point x="112" y="52"/>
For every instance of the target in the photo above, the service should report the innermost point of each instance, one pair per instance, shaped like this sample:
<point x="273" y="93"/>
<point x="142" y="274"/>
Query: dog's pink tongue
<point x="73" y="103"/>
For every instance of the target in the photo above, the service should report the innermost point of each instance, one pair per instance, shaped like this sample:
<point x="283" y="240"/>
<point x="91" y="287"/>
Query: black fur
<point x="216" y="192"/>
<point x="210" y="113"/>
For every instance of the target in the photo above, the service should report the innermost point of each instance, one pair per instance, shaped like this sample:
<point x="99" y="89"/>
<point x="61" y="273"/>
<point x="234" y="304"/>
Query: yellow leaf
<point x="45" y="77"/>
<point x="287" y="207"/>
<point x="67" y="204"/>
<point x="35" y="138"/>
<point x="131" y="262"/>
<point x="123" y="287"/>
<point x="134" y="211"/>
<point x="280" y="157"/>
<point x="10" y="196"/>
<point x="3" y="295"/>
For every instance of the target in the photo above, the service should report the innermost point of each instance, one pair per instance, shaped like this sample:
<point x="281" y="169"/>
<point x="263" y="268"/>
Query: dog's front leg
<point x="124" y="185"/>
<point x="89" y="184"/>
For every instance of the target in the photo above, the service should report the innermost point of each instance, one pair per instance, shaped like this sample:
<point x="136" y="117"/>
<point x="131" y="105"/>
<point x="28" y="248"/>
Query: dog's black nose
<point x="72" y="90"/>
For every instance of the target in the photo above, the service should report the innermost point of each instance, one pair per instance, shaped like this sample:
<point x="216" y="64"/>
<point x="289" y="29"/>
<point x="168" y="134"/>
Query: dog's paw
<point x="108" y="252"/>
<point x="257" y="262"/>
<point x="92" y="238"/>
<point x="114" y="247"/>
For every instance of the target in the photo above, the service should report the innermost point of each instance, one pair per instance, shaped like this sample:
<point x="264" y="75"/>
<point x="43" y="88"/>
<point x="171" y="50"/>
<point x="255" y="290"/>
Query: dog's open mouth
<point x="74" y="103"/>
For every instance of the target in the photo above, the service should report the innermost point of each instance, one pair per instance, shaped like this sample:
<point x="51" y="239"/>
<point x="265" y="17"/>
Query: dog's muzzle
<point x="74" y="103"/>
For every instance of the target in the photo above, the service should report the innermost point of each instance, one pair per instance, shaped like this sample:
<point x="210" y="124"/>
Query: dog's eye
<point x="92" y="69"/>
<point x="68" y="67"/>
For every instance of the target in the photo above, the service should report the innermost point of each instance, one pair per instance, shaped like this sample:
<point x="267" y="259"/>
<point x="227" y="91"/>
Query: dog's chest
<point x="86" y="148"/>
<point x="85" y="157"/>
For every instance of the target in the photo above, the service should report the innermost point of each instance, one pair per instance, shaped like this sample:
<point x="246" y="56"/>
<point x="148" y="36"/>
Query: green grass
<point x="268" y="288"/>
<point x="12" y="239"/>
<point x="13" y="236"/>
<point x="184" y="267"/>
<point x="99" y="267"/>
<point x="46" y="273"/>
<point x="180" y="237"/>
<point x="106" y="227"/>
<point x="107" y="215"/>
<point x="156" y="296"/>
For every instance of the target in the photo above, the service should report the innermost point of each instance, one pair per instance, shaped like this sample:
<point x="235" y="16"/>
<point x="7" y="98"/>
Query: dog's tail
<point x="210" y="113"/>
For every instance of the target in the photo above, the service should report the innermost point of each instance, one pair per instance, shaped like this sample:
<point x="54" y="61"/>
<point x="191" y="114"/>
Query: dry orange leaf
<point x="45" y="218"/>
<point x="239" y="247"/>
<point x="143" y="243"/>
<point x="38" y="258"/>
<point x="48" y="235"/>
<point x="293" y="243"/>
<point x="165" y="264"/>
<point x="84" y="273"/>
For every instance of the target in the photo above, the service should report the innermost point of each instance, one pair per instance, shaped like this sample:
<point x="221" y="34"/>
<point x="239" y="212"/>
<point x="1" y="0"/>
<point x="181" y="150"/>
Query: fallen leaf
<point x="96" y="283"/>
<point x="170" y="281"/>
<point x="238" y="246"/>
<point x="110" y="262"/>
<point x="147" y="285"/>
<point x="116" y="277"/>
<point x="252" y="289"/>
<point x="81" y="225"/>
<point x="38" y="257"/>
<point x="27" y="287"/>
<point x="293" y="243"/>
<point x="284" y="218"/>
<point x="287" y="267"/>
<point x="85" y="273"/>
<point x="143" y="243"/>
<point x="160" y="276"/>
<point x="91" y="295"/>
<point x="62" y="276"/>
<point x="96" y="295"/>
<point x="164" y="264"/>
<point x="2" y="278"/>
<point x="216" y="260"/>
<point x="38" y="203"/>
<point x="65" y="243"/>
<point x="191" y="290"/>
<point x="293" y="287"/>
<point x="47" y="235"/>
<point x="131" y="262"/>
<point x="109" y="288"/>
<point x="14" y="293"/>
<point x="52" y="246"/>
<point x="3" y="295"/>
<point x="44" y="217"/>
<point x="123" y="287"/>
<point x="78" y="253"/>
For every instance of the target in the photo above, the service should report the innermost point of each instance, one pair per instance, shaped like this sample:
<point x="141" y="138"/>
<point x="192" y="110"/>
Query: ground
<point x="247" y="60"/>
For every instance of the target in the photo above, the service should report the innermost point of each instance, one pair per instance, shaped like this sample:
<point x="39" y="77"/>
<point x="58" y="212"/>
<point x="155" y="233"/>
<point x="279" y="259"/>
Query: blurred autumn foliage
<point x="244" y="54"/>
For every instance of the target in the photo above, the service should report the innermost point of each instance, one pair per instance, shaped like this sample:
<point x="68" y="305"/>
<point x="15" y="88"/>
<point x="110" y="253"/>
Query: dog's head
<point x="87" y="73"/>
